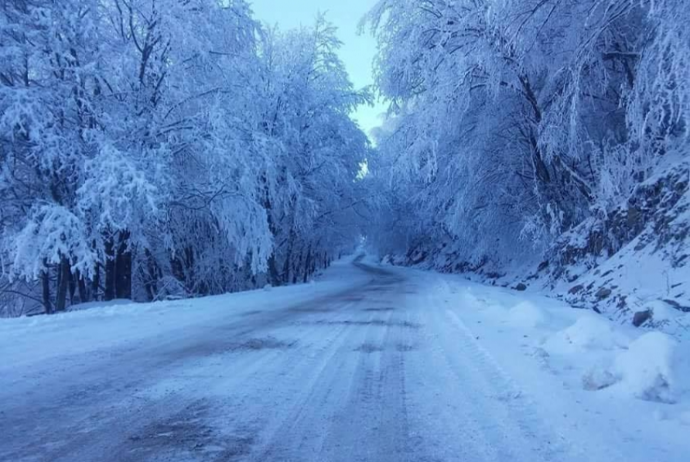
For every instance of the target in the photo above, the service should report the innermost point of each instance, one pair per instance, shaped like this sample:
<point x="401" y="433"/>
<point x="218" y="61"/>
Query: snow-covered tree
<point x="311" y="180"/>
<point x="516" y="120"/>
<point x="164" y="147"/>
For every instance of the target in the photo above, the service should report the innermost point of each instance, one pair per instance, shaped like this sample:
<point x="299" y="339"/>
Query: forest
<point x="174" y="148"/>
<point x="169" y="148"/>
<point x="536" y="140"/>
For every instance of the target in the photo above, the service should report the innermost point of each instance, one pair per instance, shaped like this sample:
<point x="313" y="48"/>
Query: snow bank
<point x="527" y="315"/>
<point x="605" y="358"/>
<point x="589" y="332"/>
<point x="662" y="311"/>
<point x="646" y="368"/>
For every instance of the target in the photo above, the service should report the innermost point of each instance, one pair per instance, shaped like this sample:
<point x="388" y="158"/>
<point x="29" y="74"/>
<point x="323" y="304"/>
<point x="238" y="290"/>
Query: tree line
<point x="158" y="148"/>
<point x="513" y="121"/>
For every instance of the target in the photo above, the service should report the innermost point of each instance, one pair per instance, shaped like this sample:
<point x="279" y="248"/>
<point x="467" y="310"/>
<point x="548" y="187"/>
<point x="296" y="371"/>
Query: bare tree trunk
<point x="151" y="275"/>
<point x="123" y="268"/>
<point x="45" y="282"/>
<point x="273" y="276"/>
<point x="288" y="257"/>
<point x="84" y="295"/>
<point x="297" y="267"/>
<point x="110" y="269"/>
<point x="96" y="282"/>
<point x="307" y="265"/>
<point x="72" y="282"/>
<point x="63" y="283"/>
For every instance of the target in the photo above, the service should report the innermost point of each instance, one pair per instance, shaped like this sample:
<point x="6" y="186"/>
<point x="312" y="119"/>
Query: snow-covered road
<point x="380" y="365"/>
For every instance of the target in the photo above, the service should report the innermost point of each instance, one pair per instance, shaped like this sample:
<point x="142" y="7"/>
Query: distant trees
<point x="311" y="182"/>
<point x="162" y="147"/>
<point x="514" y="120"/>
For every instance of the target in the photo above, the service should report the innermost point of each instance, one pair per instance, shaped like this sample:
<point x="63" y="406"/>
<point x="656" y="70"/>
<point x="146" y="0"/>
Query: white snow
<point x="109" y="324"/>
<point x="527" y="315"/>
<point x="485" y="373"/>
<point x="684" y="418"/>
<point x="589" y="332"/>
<point x="646" y="369"/>
<point x="609" y="377"/>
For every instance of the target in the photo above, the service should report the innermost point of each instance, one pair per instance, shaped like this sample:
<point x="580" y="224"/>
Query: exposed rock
<point x="678" y="306"/>
<point x="641" y="317"/>
<point x="602" y="293"/>
<point x="650" y="214"/>
<point x="521" y="287"/>
<point x="576" y="289"/>
<point x="622" y="303"/>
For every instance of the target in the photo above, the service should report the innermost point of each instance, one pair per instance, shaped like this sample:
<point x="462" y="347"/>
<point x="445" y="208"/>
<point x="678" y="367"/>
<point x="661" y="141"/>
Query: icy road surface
<point x="372" y="364"/>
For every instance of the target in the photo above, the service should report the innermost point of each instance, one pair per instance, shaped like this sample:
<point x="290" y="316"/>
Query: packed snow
<point x="109" y="324"/>
<point x="366" y="363"/>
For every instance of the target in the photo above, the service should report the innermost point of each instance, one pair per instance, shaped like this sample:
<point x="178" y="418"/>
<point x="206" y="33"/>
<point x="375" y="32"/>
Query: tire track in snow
<point x="283" y="428"/>
<point x="333" y="418"/>
<point x="383" y="373"/>
<point x="113" y="403"/>
<point x="372" y="424"/>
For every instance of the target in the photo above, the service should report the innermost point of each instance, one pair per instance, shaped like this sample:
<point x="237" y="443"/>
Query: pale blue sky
<point x="358" y="50"/>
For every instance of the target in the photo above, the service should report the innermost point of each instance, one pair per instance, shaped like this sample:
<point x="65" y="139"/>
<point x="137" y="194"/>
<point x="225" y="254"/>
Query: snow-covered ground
<point x="28" y="340"/>
<point x="369" y="363"/>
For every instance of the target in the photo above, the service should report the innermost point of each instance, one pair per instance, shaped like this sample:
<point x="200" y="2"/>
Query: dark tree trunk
<point x="63" y="283"/>
<point x="151" y="278"/>
<point x="118" y="267"/>
<point x="297" y="267"/>
<point x="72" y="280"/>
<point x="177" y="268"/>
<point x="45" y="282"/>
<point x="273" y="276"/>
<point x="123" y="268"/>
<point x="307" y="265"/>
<point x="288" y="258"/>
<point x="190" y="278"/>
<point x="110" y="269"/>
<point x="83" y="289"/>
<point x="96" y="282"/>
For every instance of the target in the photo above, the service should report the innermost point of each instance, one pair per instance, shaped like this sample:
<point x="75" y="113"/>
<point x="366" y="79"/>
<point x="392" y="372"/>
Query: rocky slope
<point x="632" y="263"/>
